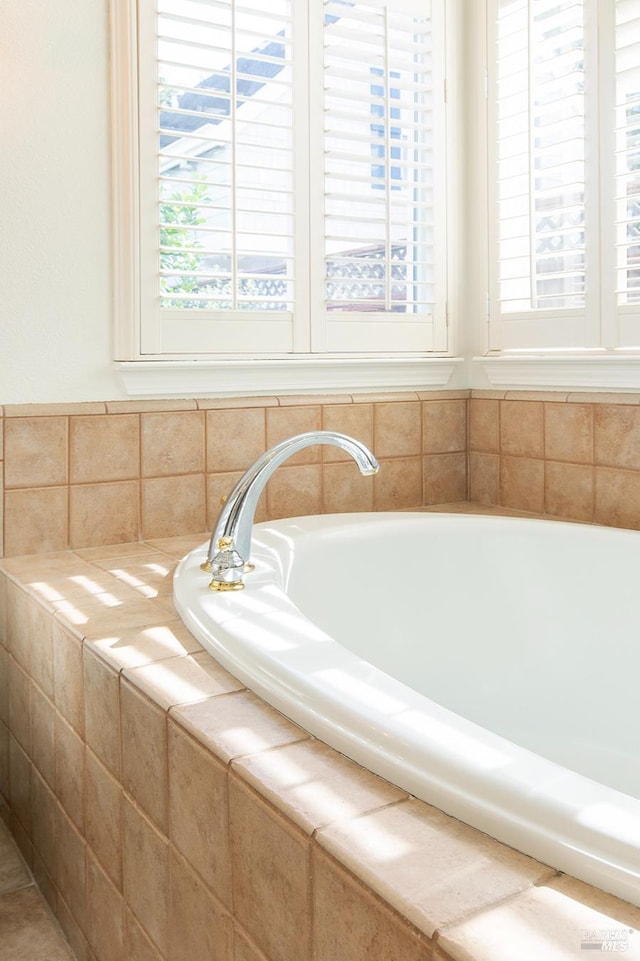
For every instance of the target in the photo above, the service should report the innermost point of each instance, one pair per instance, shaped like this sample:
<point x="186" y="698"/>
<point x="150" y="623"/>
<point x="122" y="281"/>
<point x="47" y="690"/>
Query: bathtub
<point x="487" y="665"/>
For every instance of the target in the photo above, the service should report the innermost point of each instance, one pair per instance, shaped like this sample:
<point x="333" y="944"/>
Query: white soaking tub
<point x="487" y="665"/>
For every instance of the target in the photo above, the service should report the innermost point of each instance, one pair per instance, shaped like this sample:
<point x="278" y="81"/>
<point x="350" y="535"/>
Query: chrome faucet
<point x="230" y="545"/>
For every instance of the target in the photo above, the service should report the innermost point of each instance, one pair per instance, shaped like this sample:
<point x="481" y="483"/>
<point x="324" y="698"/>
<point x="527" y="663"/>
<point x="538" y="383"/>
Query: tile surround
<point x="572" y="456"/>
<point x="188" y="820"/>
<point x="102" y="673"/>
<point x="83" y="475"/>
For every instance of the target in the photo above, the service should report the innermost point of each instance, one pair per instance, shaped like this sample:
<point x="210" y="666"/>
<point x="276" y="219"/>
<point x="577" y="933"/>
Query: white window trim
<point x="189" y="375"/>
<point x="583" y="370"/>
<point x="291" y="375"/>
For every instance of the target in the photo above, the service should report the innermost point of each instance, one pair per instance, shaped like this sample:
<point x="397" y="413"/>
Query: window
<point x="564" y="135"/>
<point x="280" y="178"/>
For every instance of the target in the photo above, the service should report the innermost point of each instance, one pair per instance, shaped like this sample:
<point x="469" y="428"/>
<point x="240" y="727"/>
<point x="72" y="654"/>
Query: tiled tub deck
<point x="168" y="813"/>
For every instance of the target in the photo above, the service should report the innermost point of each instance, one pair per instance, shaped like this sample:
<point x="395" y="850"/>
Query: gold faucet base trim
<point x="225" y="585"/>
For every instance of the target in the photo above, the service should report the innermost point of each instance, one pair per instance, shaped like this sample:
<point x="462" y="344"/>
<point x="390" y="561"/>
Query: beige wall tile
<point x="349" y="923"/>
<point x="35" y="521"/>
<point x="345" y="489"/>
<point x="4" y="687"/>
<point x="444" y="426"/>
<point x="103" y="817"/>
<point x="4" y="769"/>
<point x="41" y="647"/>
<point x="272" y="903"/>
<point x="445" y="478"/>
<point x="70" y="752"/>
<point x="182" y="680"/>
<point x="295" y="491"/>
<point x="35" y="453"/>
<point x="224" y="403"/>
<point x="67" y="674"/>
<point x="17" y="624"/>
<point x="105" y="914"/>
<point x="43" y="734"/>
<point x="541" y="395"/>
<point x="137" y="945"/>
<point x="244" y="949"/>
<point x="123" y="648"/>
<point x="173" y="505"/>
<point x="355" y="420"/>
<point x="110" y="621"/>
<point x="43" y="823"/>
<point x="522" y="484"/>
<point x="146" y="406"/>
<point x="19" y="705"/>
<point x="3" y="608"/>
<point x="521" y="428"/>
<point x="568" y="432"/>
<point x="569" y="490"/>
<point x="441" y="869"/>
<point x="285" y="422"/>
<point x="484" y="478"/>
<point x="144" y="754"/>
<point x="45" y="882"/>
<point x="104" y="514"/>
<point x="617" y="436"/>
<point x="172" y="443"/>
<point x="200" y="831"/>
<point x="149" y="575"/>
<point x="104" y="448"/>
<point x="102" y="710"/>
<point x="233" y="725"/>
<point x="484" y="425"/>
<point x="77" y="941"/>
<point x="200" y="929"/>
<point x="2" y="554"/>
<point x="235" y="438"/>
<point x="22" y="838"/>
<point x="315" y="785"/>
<point x="617" y="498"/>
<point x="548" y="922"/>
<point x="51" y="410"/>
<point x="398" y="484"/>
<point x="146" y="875"/>
<point x="19" y="784"/>
<point x="397" y="429"/>
<point x="71" y="867"/>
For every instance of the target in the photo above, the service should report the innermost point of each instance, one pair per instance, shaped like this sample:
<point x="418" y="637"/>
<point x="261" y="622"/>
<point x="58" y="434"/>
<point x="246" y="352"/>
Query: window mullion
<point x="602" y="260"/>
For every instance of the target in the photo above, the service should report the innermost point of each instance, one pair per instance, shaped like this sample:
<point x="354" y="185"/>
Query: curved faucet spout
<point x="231" y="535"/>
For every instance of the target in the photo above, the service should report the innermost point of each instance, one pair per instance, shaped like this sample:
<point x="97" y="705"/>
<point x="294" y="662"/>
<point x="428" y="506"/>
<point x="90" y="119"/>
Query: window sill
<point x="300" y="375"/>
<point x="593" y="371"/>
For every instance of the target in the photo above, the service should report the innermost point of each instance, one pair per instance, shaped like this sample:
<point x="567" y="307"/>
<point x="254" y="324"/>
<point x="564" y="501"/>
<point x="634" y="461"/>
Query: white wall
<point x="55" y="290"/>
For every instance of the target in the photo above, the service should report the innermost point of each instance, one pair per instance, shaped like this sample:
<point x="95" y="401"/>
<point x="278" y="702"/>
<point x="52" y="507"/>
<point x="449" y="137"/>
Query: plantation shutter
<point x="627" y="162"/>
<point x="287" y="158"/>
<point x="221" y="241"/>
<point x="383" y="148"/>
<point x="540" y="200"/>
<point x="565" y="122"/>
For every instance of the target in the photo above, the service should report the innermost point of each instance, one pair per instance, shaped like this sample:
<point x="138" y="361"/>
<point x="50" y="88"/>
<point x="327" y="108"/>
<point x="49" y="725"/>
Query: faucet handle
<point x="227" y="567"/>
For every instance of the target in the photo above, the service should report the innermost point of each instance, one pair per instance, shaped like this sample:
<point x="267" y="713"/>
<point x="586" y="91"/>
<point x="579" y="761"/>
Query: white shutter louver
<point x="565" y="102"/>
<point x="540" y="198"/>
<point x="627" y="138"/>
<point x="224" y="223"/>
<point x="382" y="112"/>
